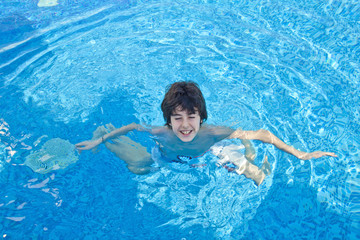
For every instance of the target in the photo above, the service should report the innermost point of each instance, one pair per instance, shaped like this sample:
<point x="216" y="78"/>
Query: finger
<point x="332" y="154"/>
<point x="82" y="148"/>
<point x="80" y="144"/>
<point x="321" y="154"/>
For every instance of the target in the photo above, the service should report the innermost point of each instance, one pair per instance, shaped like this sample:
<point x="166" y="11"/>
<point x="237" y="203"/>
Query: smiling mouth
<point x="187" y="132"/>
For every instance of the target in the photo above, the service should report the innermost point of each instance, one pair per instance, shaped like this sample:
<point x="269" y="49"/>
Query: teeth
<point x="185" y="132"/>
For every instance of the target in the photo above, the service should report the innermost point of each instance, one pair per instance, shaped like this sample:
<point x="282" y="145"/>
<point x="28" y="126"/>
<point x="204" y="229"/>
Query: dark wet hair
<point x="187" y="96"/>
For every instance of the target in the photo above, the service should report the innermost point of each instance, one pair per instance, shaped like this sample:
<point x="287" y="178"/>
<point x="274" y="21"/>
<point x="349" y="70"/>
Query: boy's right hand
<point x="87" y="145"/>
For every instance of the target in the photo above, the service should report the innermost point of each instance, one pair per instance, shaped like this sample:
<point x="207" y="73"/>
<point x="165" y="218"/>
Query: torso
<point x="173" y="148"/>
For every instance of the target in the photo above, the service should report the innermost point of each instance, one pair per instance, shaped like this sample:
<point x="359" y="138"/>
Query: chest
<point x="176" y="150"/>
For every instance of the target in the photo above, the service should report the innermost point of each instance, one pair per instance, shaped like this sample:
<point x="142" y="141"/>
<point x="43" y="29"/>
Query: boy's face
<point x="185" y="125"/>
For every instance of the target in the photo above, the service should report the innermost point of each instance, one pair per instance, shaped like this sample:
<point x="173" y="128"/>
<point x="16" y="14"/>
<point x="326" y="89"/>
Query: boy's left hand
<point x="316" y="154"/>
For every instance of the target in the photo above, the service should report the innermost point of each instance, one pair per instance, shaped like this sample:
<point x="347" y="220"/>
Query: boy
<point x="185" y="136"/>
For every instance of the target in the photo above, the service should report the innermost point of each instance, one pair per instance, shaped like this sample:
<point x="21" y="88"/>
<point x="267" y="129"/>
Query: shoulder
<point x="156" y="131"/>
<point x="217" y="131"/>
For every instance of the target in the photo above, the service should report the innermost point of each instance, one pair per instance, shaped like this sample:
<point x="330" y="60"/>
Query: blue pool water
<point x="291" y="67"/>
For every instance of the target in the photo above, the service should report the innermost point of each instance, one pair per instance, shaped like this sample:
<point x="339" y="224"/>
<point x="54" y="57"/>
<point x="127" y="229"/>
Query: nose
<point x="185" y="123"/>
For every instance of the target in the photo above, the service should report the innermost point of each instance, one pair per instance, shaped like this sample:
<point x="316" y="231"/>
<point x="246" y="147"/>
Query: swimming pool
<point x="291" y="67"/>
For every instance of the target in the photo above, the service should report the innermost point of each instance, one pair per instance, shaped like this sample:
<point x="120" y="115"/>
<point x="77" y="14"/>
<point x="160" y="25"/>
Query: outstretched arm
<point x="267" y="137"/>
<point x="87" y="145"/>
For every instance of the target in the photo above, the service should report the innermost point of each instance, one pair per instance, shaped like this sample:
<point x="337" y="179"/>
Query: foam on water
<point x="207" y="196"/>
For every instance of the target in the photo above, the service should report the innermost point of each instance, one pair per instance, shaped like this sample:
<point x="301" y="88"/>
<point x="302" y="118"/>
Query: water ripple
<point x="289" y="67"/>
